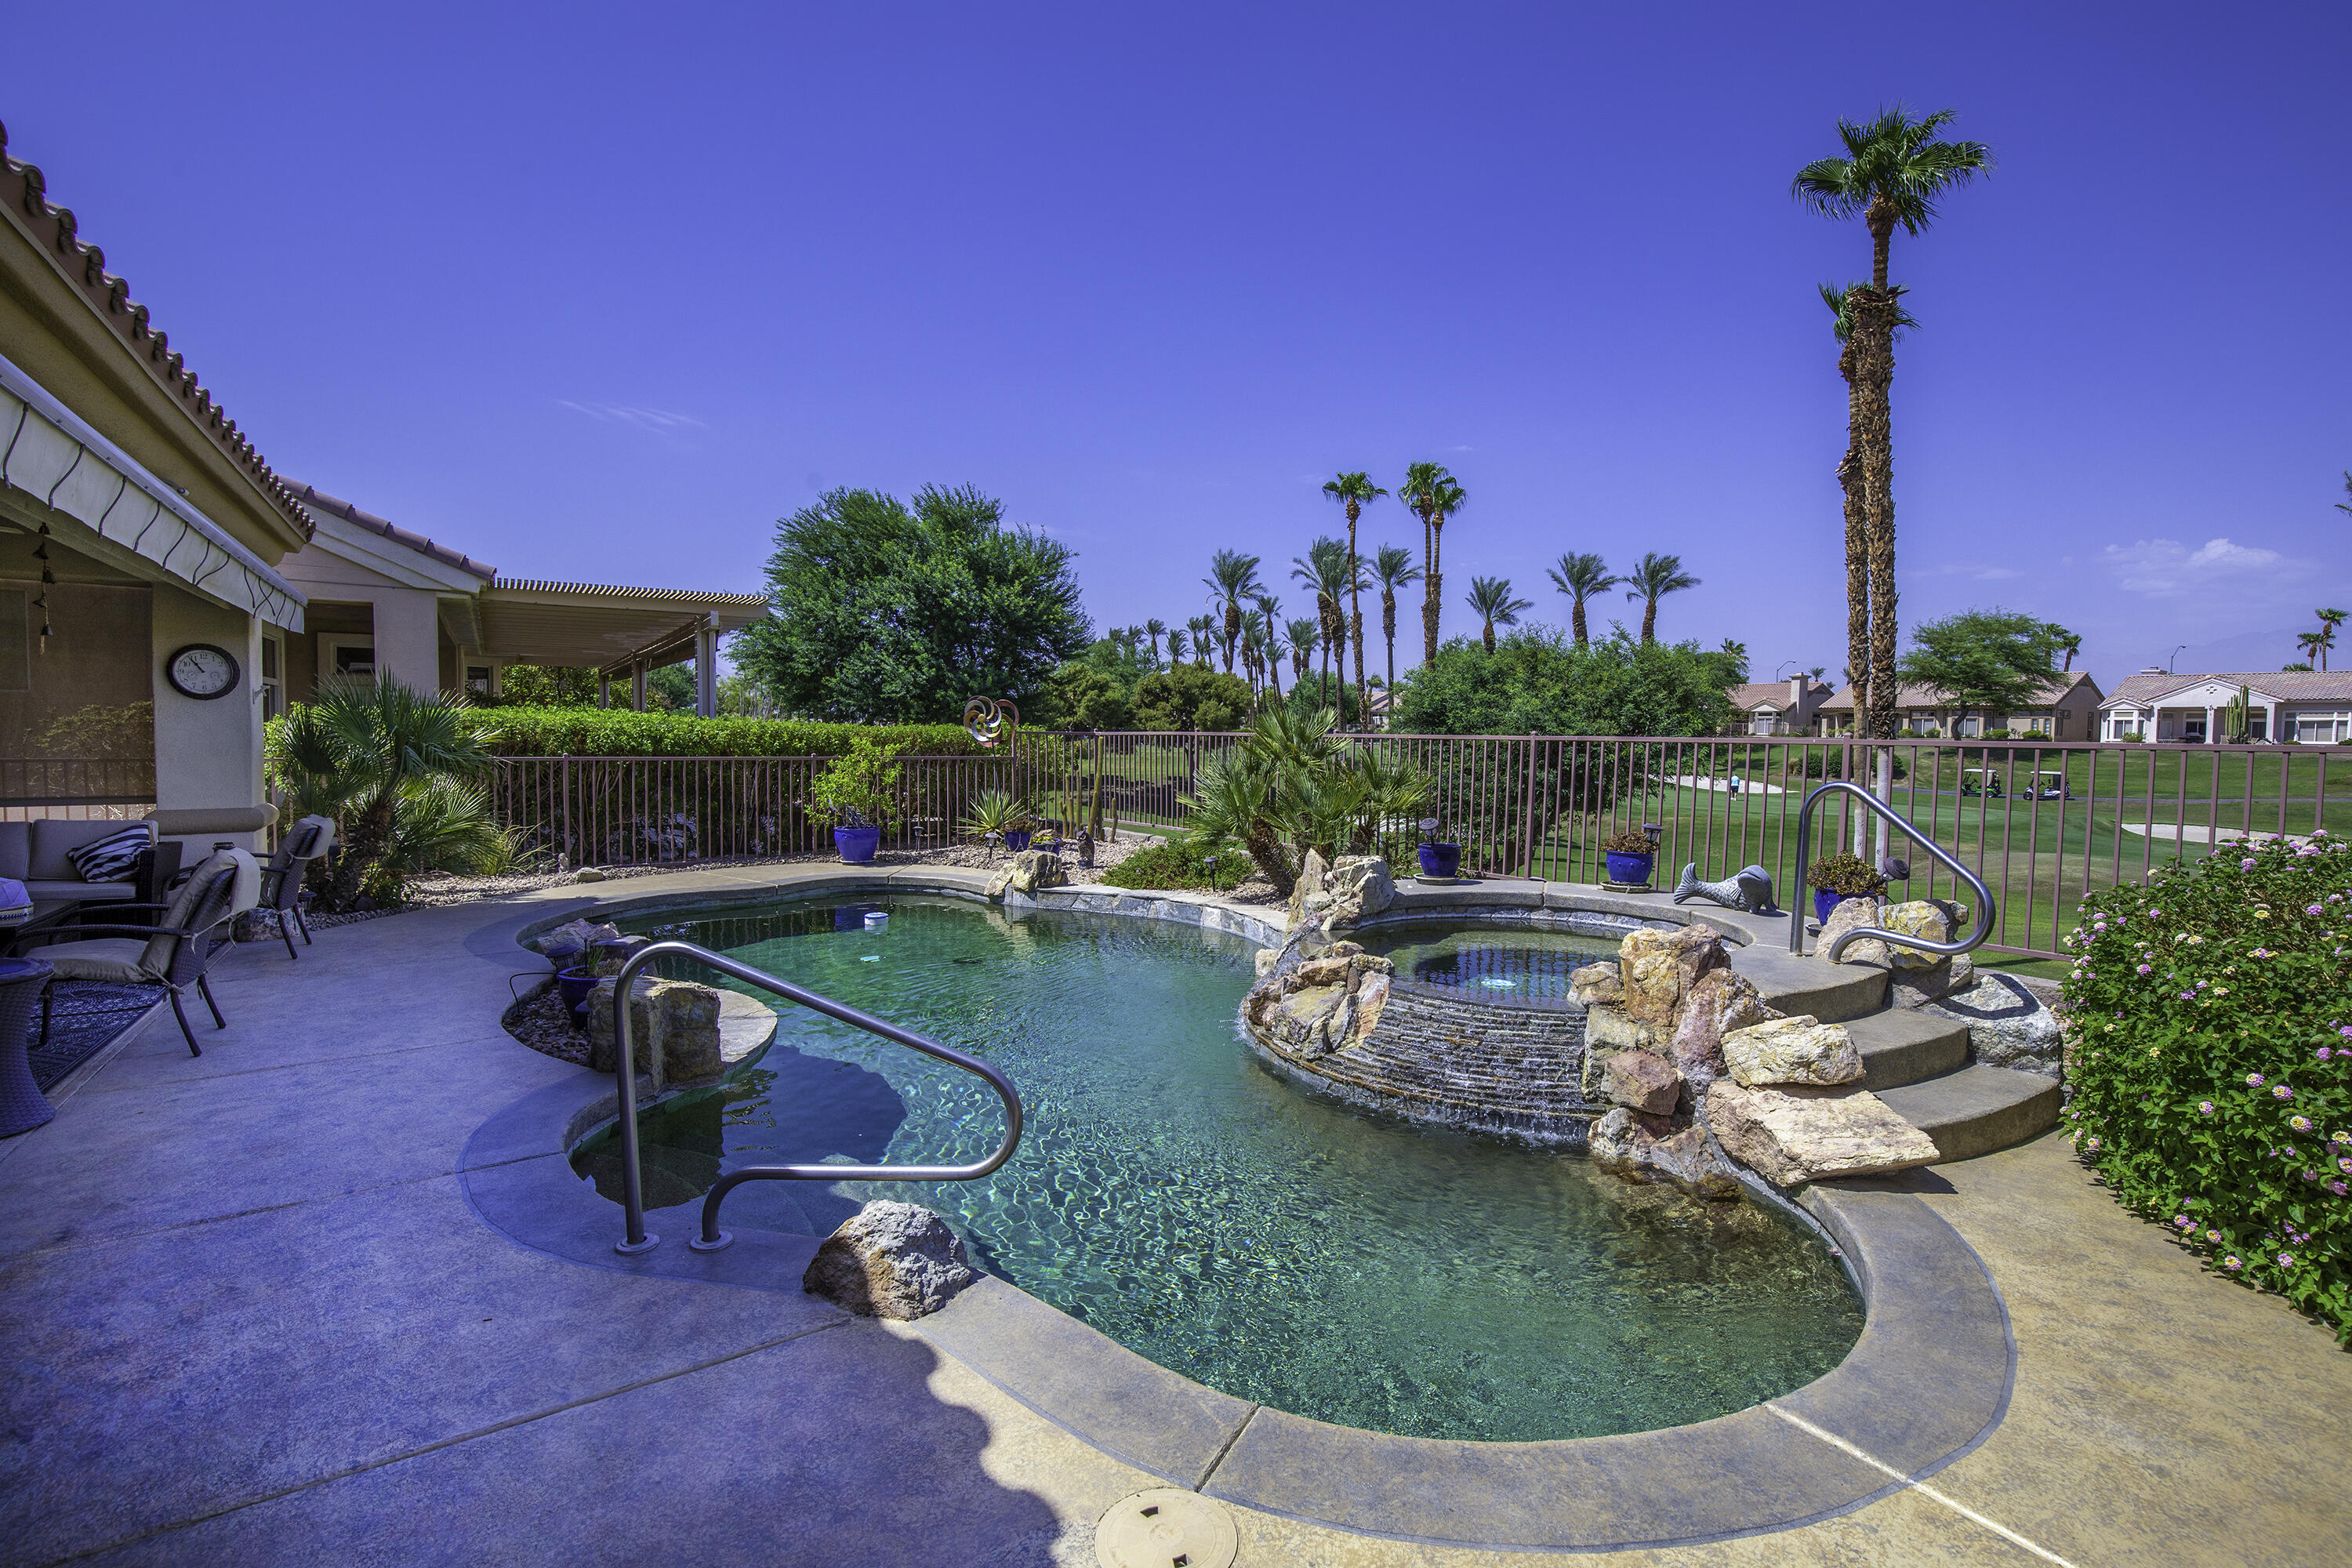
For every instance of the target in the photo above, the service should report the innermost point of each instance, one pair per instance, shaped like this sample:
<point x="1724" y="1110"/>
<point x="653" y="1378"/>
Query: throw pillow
<point x="109" y="859"/>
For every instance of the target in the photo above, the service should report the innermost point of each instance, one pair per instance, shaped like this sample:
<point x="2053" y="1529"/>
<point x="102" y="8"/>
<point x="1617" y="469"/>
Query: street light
<point x="2176" y="653"/>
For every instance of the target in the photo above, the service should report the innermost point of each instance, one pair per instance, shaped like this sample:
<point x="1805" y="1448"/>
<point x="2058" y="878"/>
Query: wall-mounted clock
<point x="202" y="671"/>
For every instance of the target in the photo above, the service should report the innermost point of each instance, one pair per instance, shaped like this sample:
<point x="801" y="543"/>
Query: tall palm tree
<point x="1580" y="575"/>
<point x="1155" y="629"/>
<point x="1304" y="636"/>
<point x="1653" y="578"/>
<point x="1848" y="474"/>
<point x="1175" y="647"/>
<point x="1433" y="495"/>
<point x="2346" y="506"/>
<point x="1894" y="172"/>
<point x="1392" y="568"/>
<point x="1490" y="599"/>
<point x="2328" y="621"/>
<point x="2311" y="643"/>
<point x="1232" y="577"/>
<point x="2065" y="642"/>
<point x="1323" y="568"/>
<point x="1204" y="637"/>
<point x="1265" y="626"/>
<point x="1355" y="491"/>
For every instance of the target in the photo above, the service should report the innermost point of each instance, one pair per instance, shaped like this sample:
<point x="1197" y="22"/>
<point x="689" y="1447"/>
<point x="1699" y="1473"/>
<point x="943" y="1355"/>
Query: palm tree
<point x="2328" y="621"/>
<point x="2065" y="642"/>
<point x="1392" y="568"/>
<point x="1490" y="599"/>
<point x="1580" y="575"/>
<point x="1232" y="577"/>
<point x="1355" y="491"/>
<point x="1433" y="496"/>
<point x="2311" y="643"/>
<point x="1848" y="474"/>
<point x="1653" y="578"/>
<point x="1323" y="568"/>
<point x="1894" y="172"/>
<point x="1175" y="647"/>
<point x="1304" y="638"/>
<point x="2346" y="506"/>
<point x="1204" y="636"/>
<point x="1266" y="623"/>
<point x="1155" y="629"/>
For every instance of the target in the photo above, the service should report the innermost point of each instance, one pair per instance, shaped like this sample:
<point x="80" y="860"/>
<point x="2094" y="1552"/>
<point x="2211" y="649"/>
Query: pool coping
<point x="1928" y="1382"/>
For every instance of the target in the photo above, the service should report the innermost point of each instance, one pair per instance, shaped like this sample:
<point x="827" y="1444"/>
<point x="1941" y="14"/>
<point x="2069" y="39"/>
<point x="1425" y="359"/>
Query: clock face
<point x="203" y="671"/>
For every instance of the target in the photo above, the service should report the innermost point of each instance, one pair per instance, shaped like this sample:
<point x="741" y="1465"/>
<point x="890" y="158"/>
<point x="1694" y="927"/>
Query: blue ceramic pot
<point x="1823" y="902"/>
<point x="1016" y="839"/>
<point x="1441" y="859"/>
<point x="856" y="846"/>
<point x="1632" y="870"/>
<point x="576" y="986"/>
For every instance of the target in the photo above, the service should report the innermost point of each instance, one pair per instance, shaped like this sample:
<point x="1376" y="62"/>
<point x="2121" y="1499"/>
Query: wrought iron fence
<point x="76" y="788"/>
<point x="2042" y="823"/>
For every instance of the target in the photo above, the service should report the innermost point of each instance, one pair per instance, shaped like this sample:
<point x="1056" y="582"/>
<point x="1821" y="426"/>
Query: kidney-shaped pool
<point x="1171" y="1192"/>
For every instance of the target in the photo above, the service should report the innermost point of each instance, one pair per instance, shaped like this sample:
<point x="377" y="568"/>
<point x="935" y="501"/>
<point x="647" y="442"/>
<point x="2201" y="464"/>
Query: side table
<point x="23" y="1107"/>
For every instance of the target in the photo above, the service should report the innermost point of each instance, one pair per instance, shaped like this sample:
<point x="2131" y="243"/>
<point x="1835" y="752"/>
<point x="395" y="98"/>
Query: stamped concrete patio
<point x="251" y="1317"/>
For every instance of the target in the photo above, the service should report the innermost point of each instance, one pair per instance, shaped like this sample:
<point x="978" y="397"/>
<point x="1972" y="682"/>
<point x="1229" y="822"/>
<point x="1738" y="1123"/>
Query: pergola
<point x="616" y="630"/>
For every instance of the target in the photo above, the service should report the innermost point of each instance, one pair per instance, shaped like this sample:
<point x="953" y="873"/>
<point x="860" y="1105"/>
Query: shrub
<point x="2211" y="1061"/>
<point x="1847" y="875"/>
<point x="1628" y="841"/>
<point x="621" y="732"/>
<point x="1168" y="864"/>
<point x="860" y="790"/>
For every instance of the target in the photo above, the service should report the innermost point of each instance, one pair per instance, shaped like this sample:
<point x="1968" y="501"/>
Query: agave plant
<point x="997" y="812"/>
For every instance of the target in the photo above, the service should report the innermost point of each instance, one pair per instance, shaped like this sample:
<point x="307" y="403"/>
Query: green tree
<point x="1490" y="600"/>
<point x="1849" y="473"/>
<point x="1323" y="570"/>
<point x="1895" y="171"/>
<point x="2328" y="621"/>
<point x="1538" y="681"/>
<point x="1433" y="495"/>
<point x="2062" y="641"/>
<point x="1392" y="568"/>
<point x="1204" y="637"/>
<point x="670" y="689"/>
<point x="1176" y="645"/>
<point x="1355" y="492"/>
<point x="1580" y="575"/>
<point x="1232" y="577"/>
<point x="1995" y="660"/>
<point x="1187" y="697"/>
<point x="547" y="686"/>
<point x="1304" y="636"/>
<point x="883" y="613"/>
<point x="1653" y="578"/>
<point x="1155" y="629"/>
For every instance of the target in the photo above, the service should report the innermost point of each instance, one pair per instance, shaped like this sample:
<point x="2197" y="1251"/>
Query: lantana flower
<point x="2232" y="1263"/>
<point x="2253" y="1080"/>
<point x="2205" y="1107"/>
<point x="2281" y="1091"/>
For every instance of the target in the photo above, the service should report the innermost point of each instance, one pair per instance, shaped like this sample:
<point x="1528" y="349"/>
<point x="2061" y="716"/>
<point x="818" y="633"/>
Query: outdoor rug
<point x="86" y="1015"/>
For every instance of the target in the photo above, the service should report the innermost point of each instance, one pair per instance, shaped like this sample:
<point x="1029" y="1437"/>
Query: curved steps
<point x="1977" y="1110"/>
<point x="1905" y="1046"/>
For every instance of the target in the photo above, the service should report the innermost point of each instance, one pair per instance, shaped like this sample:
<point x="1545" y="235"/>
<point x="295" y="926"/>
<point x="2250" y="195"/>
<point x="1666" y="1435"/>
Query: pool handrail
<point x="1799" y="905"/>
<point x="634" y="1239"/>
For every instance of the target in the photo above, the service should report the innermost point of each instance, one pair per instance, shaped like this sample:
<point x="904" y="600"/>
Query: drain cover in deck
<point x="1166" y="1528"/>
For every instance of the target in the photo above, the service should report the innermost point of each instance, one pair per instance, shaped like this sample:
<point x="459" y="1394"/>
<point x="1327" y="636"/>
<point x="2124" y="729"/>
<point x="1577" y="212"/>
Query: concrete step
<point x="1904" y="1047"/>
<point x="1833" y="993"/>
<point x="1977" y="1110"/>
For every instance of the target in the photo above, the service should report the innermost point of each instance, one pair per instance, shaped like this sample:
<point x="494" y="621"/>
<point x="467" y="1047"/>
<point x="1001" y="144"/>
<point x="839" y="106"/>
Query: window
<point x="477" y="680"/>
<point x="273" y="679"/>
<point x="2320" y="729"/>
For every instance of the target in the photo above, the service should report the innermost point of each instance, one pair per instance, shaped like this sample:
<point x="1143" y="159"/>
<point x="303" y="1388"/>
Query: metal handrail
<point x="1902" y="939"/>
<point x="635" y="1240"/>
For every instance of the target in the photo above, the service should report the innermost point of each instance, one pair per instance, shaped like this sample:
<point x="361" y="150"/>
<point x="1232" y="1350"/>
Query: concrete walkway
<point x="250" y="1318"/>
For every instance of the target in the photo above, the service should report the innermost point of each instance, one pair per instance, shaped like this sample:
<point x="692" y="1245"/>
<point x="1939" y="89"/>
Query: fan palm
<point x="2328" y="621"/>
<point x="1653" y="578"/>
<point x="1355" y="492"/>
<point x="1434" y="496"/>
<point x="2311" y="643"/>
<point x="1232" y="577"/>
<point x="1392" y="568"/>
<point x="1895" y="171"/>
<point x="1490" y="599"/>
<point x="1580" y="575"/>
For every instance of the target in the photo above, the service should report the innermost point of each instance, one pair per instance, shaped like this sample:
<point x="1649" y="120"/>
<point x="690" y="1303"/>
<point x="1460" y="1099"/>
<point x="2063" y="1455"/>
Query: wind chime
<point x="41" y="599"/>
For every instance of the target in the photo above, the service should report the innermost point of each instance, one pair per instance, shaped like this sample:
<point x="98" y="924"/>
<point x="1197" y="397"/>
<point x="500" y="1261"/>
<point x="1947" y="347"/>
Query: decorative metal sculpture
<point x="989" y="720"/>
<point x="1750" y="891"/>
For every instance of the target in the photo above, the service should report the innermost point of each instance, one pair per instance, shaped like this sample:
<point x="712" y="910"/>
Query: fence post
<point x="1534" y="874"/>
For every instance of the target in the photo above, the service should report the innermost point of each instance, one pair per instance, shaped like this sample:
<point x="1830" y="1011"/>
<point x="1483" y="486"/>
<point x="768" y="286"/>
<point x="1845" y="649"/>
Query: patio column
<point x="2210" y="738"/>
<point x="207" y="750"/>
<point x="603" y="689"/>
<point x="706" y="672"/>
<point x="637" y="685"/>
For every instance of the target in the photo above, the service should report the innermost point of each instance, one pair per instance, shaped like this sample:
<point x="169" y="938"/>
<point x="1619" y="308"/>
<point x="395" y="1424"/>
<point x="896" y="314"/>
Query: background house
<point x="2066" y="709"/>
<point x="2311" y="707"/>
<point x="1779" y="707"/>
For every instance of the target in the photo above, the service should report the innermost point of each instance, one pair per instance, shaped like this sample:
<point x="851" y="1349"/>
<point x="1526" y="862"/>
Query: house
<point x="2310" y="707"/>
<point x="2066" y="709"/>
<point x="164" y="589"/>
<point x="1779" y="707"/>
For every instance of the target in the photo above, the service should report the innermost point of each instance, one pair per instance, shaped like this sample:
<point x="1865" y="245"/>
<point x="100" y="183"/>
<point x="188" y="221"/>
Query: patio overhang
<point x="607" y="627"/>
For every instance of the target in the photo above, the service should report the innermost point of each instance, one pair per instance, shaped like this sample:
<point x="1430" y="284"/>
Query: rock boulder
<point x="1641" y="1081"/>
<point x="2008" y="1025"/>
<point x="1661" y="966"/>
<point x="1026" y="872"/>
<point x="1722" y="1001"/>
<point x="1642" y="1148"/>
<point x="1597" y="982"/>
<point x="1793" y="1135"/>
<point x="677" y="1017"/>
<point x="1319" y="1004"/>
<point x="889" y="1260"/>
<point x="1799" y="1050"/>
<point x="1910" y="988"/>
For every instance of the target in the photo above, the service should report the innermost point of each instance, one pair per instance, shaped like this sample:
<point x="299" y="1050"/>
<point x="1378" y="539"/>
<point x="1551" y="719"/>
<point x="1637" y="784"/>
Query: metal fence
<point x="76" y="789"/>
<point x="2042" y="823"/>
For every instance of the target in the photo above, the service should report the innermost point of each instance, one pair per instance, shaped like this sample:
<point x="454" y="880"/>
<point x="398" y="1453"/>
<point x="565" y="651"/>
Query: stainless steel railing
<point x="634" y="1239"/>
<point x="1799" y="905"/>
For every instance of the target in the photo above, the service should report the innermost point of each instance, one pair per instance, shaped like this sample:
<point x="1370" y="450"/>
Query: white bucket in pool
<point x="875" y="919"/>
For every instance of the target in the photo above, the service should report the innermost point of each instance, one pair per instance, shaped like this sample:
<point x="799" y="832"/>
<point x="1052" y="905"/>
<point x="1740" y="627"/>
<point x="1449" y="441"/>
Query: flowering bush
<point x="2211" y="1060"/>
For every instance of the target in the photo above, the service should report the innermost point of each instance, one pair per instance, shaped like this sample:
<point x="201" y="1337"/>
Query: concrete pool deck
<point x="251" y="1317"/>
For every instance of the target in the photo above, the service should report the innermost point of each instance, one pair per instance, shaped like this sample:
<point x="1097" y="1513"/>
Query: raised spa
<point x="1494" y="960"/>
<point x="1279" y="1246"/>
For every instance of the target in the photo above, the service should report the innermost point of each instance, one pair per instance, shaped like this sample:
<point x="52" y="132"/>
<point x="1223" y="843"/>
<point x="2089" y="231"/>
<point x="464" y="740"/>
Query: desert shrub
<point x="1628" y="841"/>
<point x="1169" y="864"/>
<point x="621" y="733"/>
<point x="2211" y="1060"/>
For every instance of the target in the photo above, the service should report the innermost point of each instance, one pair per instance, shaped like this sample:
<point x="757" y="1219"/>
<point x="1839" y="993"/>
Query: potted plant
<point x="1839" y="876"/>
<point x="1440" y="861"/>
<point x="859" y="795"/>
<point x="1631" y="857"/>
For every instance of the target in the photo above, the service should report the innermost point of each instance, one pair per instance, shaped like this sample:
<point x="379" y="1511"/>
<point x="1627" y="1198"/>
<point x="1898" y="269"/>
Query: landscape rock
<point x="1321" y="1003"/>
<point x="1926" y="918"/>
<point x="1607" y="1029"/>
<point x="1799" y="1050"/>
<point x="1311" y="872"/>
<point x="677" y="1017"/>
<point x="1597" y="982"/>
<point x="1333" y="897"/>
<point x="607" y="960"/>
<point x="1026" y="872"/>
<point x="1793" y="1135"/>
<point x="889" y="1260"/>
<point x="1850" y="913"/>
<point x="582" y="934"/>
<point x="1642" y="1148"/>
<point x="1910" y="988"/>
<point x="1661" y="966"/>
<point x="1641" y="1081"/>
<point x="588" y="874"/>
<point x="2008" y="1027"/>
<point x="1723" y="1000"/>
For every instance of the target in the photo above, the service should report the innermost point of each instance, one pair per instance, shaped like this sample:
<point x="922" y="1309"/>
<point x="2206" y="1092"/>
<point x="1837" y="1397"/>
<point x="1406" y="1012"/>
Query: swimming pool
<point x="1280" y="1247"/>
<point x="1504" y="963"/>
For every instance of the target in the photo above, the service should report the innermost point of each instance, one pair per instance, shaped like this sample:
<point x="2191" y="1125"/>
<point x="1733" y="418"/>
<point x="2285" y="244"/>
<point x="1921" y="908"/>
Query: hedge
<point x="621" y="733"/>
<point x="2211" y="1061"/>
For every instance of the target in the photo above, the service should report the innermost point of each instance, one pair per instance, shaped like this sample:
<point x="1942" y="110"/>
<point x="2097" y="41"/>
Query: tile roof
<point x="2287" y="685"/>
<point x="24" y="189"/>
<point x="1776" y="691"/>
<point x="317" y="499"/>
<point x="1925" y="696"/>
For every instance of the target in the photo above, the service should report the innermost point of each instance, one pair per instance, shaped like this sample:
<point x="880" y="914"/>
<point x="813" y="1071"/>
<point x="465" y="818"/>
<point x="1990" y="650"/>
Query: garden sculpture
<point x="1750" y="891"/>
<point x="989" y="720"/>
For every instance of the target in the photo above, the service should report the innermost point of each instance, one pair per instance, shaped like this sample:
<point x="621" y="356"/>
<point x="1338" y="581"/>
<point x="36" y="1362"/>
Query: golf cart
<point x="2049" y="784"/>
<point x="1984" y="781"/>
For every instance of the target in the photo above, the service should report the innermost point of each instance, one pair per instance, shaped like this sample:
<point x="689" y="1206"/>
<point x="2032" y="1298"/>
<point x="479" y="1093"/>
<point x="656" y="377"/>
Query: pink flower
<point x="2253" y="1080"/>
<point x="2143" y="969"/>
<point x="2245" y="864"/>
<point x="2336" y="1187"/>
<point x="2281" y="1091"/>
<point x="2231" y="1263"/>
<point x="2204" y="1107"/>
<point x="2183" y="1221"/>
<point x="2210" y="1236"/>
<point x="2286" y="1259"/>
<point x="2315" y="909"/>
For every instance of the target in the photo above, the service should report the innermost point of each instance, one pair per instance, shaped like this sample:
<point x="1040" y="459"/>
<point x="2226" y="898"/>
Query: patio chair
<point x="281" y="879"/>
<point x="172" y="954"/>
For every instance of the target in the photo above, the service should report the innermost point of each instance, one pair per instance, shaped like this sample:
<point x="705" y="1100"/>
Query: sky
<point x="600" y="293"/>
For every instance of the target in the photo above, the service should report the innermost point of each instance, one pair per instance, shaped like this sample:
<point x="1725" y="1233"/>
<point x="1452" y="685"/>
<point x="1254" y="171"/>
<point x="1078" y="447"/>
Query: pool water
<point x="1175" y="1195"/>
<point x="1489" y="963"/>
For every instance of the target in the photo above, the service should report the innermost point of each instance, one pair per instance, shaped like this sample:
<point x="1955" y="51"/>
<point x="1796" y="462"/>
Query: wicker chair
<point x="172" y="954"/>
<point x="281" y="879"/>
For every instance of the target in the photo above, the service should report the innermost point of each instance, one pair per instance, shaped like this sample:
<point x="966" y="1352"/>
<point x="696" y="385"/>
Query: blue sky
<point x="599" y="293"/>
